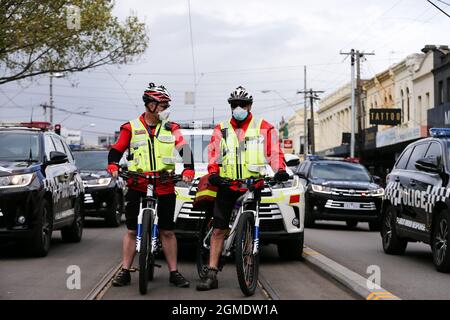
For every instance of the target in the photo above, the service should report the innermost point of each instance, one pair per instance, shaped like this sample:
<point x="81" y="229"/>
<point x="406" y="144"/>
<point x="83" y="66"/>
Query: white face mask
<point x="164" y="115"/>
<point x="240" y="114"/>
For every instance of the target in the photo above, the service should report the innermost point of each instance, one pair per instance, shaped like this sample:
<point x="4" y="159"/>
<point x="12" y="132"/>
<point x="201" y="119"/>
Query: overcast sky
<point x="260" y="44"/>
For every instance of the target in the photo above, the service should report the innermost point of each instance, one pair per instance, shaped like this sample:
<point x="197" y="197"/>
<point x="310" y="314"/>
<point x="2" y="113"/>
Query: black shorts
<point x="223" y="207"/>
<point x="166" y="210"/>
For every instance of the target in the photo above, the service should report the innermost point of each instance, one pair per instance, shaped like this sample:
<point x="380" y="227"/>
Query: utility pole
<point x="51" y="100"/>
<point x="305" y="124"/>
<point x="355" y="56"/>
<point x="312" y="95"/>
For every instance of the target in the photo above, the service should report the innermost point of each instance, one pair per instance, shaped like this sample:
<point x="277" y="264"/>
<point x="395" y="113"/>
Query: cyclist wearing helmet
<point x="239" y="149"/>
<point x="151" y="141"/>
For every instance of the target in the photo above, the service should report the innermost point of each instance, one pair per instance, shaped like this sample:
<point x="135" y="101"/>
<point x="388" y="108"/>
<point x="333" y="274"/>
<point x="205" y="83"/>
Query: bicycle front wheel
<point x="146" y="259"/>
<point x="247" y="263"/>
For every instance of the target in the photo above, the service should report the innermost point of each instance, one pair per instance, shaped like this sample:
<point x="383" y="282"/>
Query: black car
<point x="417" y="200"/>
<point x="40" y="189"/>
<point x="340" y="191"/>
<point x="104" y="196"/>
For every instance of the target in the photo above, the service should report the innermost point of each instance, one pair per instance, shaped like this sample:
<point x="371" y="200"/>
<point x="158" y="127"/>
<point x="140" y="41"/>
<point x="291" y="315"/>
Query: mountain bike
<point x="147" y="235"/>
<point x="242" y="238"/>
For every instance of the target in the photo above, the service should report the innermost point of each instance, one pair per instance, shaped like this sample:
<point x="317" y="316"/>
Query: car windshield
<point x="91" y="160"/>
<point x="340" y="171"/>
<point x="199" y="146"/>
<point x="17" y="146"/>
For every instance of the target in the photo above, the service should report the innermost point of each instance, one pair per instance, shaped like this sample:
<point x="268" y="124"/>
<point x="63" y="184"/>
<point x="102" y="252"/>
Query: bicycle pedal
<point x="133" y="269"/>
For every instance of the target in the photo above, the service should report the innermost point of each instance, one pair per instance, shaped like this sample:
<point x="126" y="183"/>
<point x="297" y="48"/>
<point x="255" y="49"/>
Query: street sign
<point x="387" y="117"/>
<point x="189" y="97"/>
<point x="287" y="144"/>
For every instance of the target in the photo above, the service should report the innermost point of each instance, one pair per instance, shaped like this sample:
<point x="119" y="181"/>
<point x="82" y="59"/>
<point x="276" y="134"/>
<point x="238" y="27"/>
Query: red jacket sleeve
<point x="274" y="154"/>
<point x="123" y="141"/>
<point x="179" y="139"/>
<point x="214" y="151"/>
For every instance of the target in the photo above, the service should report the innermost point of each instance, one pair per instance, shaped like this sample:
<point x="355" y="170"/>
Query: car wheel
<point x="113" y="216"/>
<point x="392" y="243"/>
<point x="291" y="249"/>
<point x="374" y="225"/>
<point x="39" y="244"/>
<point x="351" y="223"/>
<point x="74" y="232"/>
<point x="440" y="242"/>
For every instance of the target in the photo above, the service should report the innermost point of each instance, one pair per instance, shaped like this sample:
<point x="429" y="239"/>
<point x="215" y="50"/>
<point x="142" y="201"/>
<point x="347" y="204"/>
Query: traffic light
<point x="58" y="129"/>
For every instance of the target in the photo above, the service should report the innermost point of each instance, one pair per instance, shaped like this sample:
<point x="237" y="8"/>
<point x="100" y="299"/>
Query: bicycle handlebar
<point x="163" y="175"/>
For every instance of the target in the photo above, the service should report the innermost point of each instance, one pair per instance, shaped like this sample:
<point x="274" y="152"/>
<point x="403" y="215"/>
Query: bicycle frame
<point x="150" y="197"/>
<point x="246" y="199"/>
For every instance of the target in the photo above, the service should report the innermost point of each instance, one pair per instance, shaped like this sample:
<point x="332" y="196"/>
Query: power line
<point x="439" y="8"/>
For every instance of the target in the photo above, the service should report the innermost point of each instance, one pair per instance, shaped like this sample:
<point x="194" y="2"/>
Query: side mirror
<point x="376" y="179"/>
<point x="293" y="163"/>
<point x="301" y="175"/>
<point x="57" y="157"/>
<point x="429" y="164"/>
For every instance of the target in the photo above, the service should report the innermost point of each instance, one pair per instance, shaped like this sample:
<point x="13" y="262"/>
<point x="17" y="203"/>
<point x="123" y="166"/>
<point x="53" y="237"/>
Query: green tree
<point x="45" y="36"/>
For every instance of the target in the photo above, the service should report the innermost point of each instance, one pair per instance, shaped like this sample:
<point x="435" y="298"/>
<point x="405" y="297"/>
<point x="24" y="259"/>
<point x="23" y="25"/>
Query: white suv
<point x="282" y="206"/>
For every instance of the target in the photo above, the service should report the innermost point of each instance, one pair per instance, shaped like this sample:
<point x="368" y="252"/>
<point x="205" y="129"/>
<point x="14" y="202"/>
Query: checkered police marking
<point x="425" y="200"/>
<point x="64" y="189"/>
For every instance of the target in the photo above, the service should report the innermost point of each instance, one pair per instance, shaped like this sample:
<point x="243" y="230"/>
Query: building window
<point x="428" y="100"/>
<point x="448" y="89"/>
<point x="441" y="92"/>
<point x="402" y="95"/>
<point x="407" y="104"/>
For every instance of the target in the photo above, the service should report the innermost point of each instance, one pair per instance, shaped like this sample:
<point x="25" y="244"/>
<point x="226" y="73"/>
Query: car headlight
<point x="320" y="189"/>
<point x="377" y="192"/>
<point x="294" y="183"/>
<point x="16" y="181"/>
<point x="101" y="182"/>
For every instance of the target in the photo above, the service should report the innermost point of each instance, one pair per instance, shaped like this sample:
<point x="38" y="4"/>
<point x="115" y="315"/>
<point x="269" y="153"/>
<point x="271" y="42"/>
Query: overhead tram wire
<point x="439" y="8"/>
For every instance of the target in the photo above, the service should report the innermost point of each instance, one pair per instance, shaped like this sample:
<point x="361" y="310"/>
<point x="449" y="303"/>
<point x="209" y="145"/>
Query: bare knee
<point x="167" y="234"/>
<point x="218" y="234"/>
<point x="131" y="234"/>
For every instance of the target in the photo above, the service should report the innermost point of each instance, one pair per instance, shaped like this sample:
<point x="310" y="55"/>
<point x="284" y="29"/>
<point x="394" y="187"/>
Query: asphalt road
<point x="411" y="276"/>
<point x="22" y="277"/>
<point x="282" y="280"/>
<point x="99" y="251"/>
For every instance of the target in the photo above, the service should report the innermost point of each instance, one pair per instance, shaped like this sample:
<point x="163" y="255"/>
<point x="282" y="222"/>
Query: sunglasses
<point x="241" y="104"/>
<point x="164" y="106"/>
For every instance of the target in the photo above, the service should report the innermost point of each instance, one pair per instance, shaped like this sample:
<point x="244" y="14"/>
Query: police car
<point x="40" y="189"/>
<point x="417" y="199"/>
<point x="341" y="191"/>
<point x="282" y="205"/>
<point x="104" y="196"/>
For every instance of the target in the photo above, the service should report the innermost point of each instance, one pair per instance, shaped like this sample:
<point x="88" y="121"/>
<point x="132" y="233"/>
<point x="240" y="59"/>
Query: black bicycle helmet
<point x="240" y="94"/>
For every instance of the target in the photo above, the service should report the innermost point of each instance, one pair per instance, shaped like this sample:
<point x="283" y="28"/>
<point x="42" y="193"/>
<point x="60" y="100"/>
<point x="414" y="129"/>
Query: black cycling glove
<point x="215" y="179"/>
<point x="281" y="176"/>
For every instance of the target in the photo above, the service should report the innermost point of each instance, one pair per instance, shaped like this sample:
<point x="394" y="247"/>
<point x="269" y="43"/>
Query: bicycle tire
<point x="151" y="257"/>
<point x="144" y="252"/>
<point x="248" y="279"/>
<point x="202" y="256"/>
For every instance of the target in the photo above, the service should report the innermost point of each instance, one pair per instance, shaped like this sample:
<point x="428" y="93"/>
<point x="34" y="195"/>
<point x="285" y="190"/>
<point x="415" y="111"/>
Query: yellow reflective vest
<point x="147" y="154"/>
<point x="242" y="160"/>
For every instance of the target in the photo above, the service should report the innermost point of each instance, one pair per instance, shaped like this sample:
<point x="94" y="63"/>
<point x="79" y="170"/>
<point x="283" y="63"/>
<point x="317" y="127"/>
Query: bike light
<point x="295" y="198"/>
<point x="104" y="204"/>
<point x="21" y="219"/>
